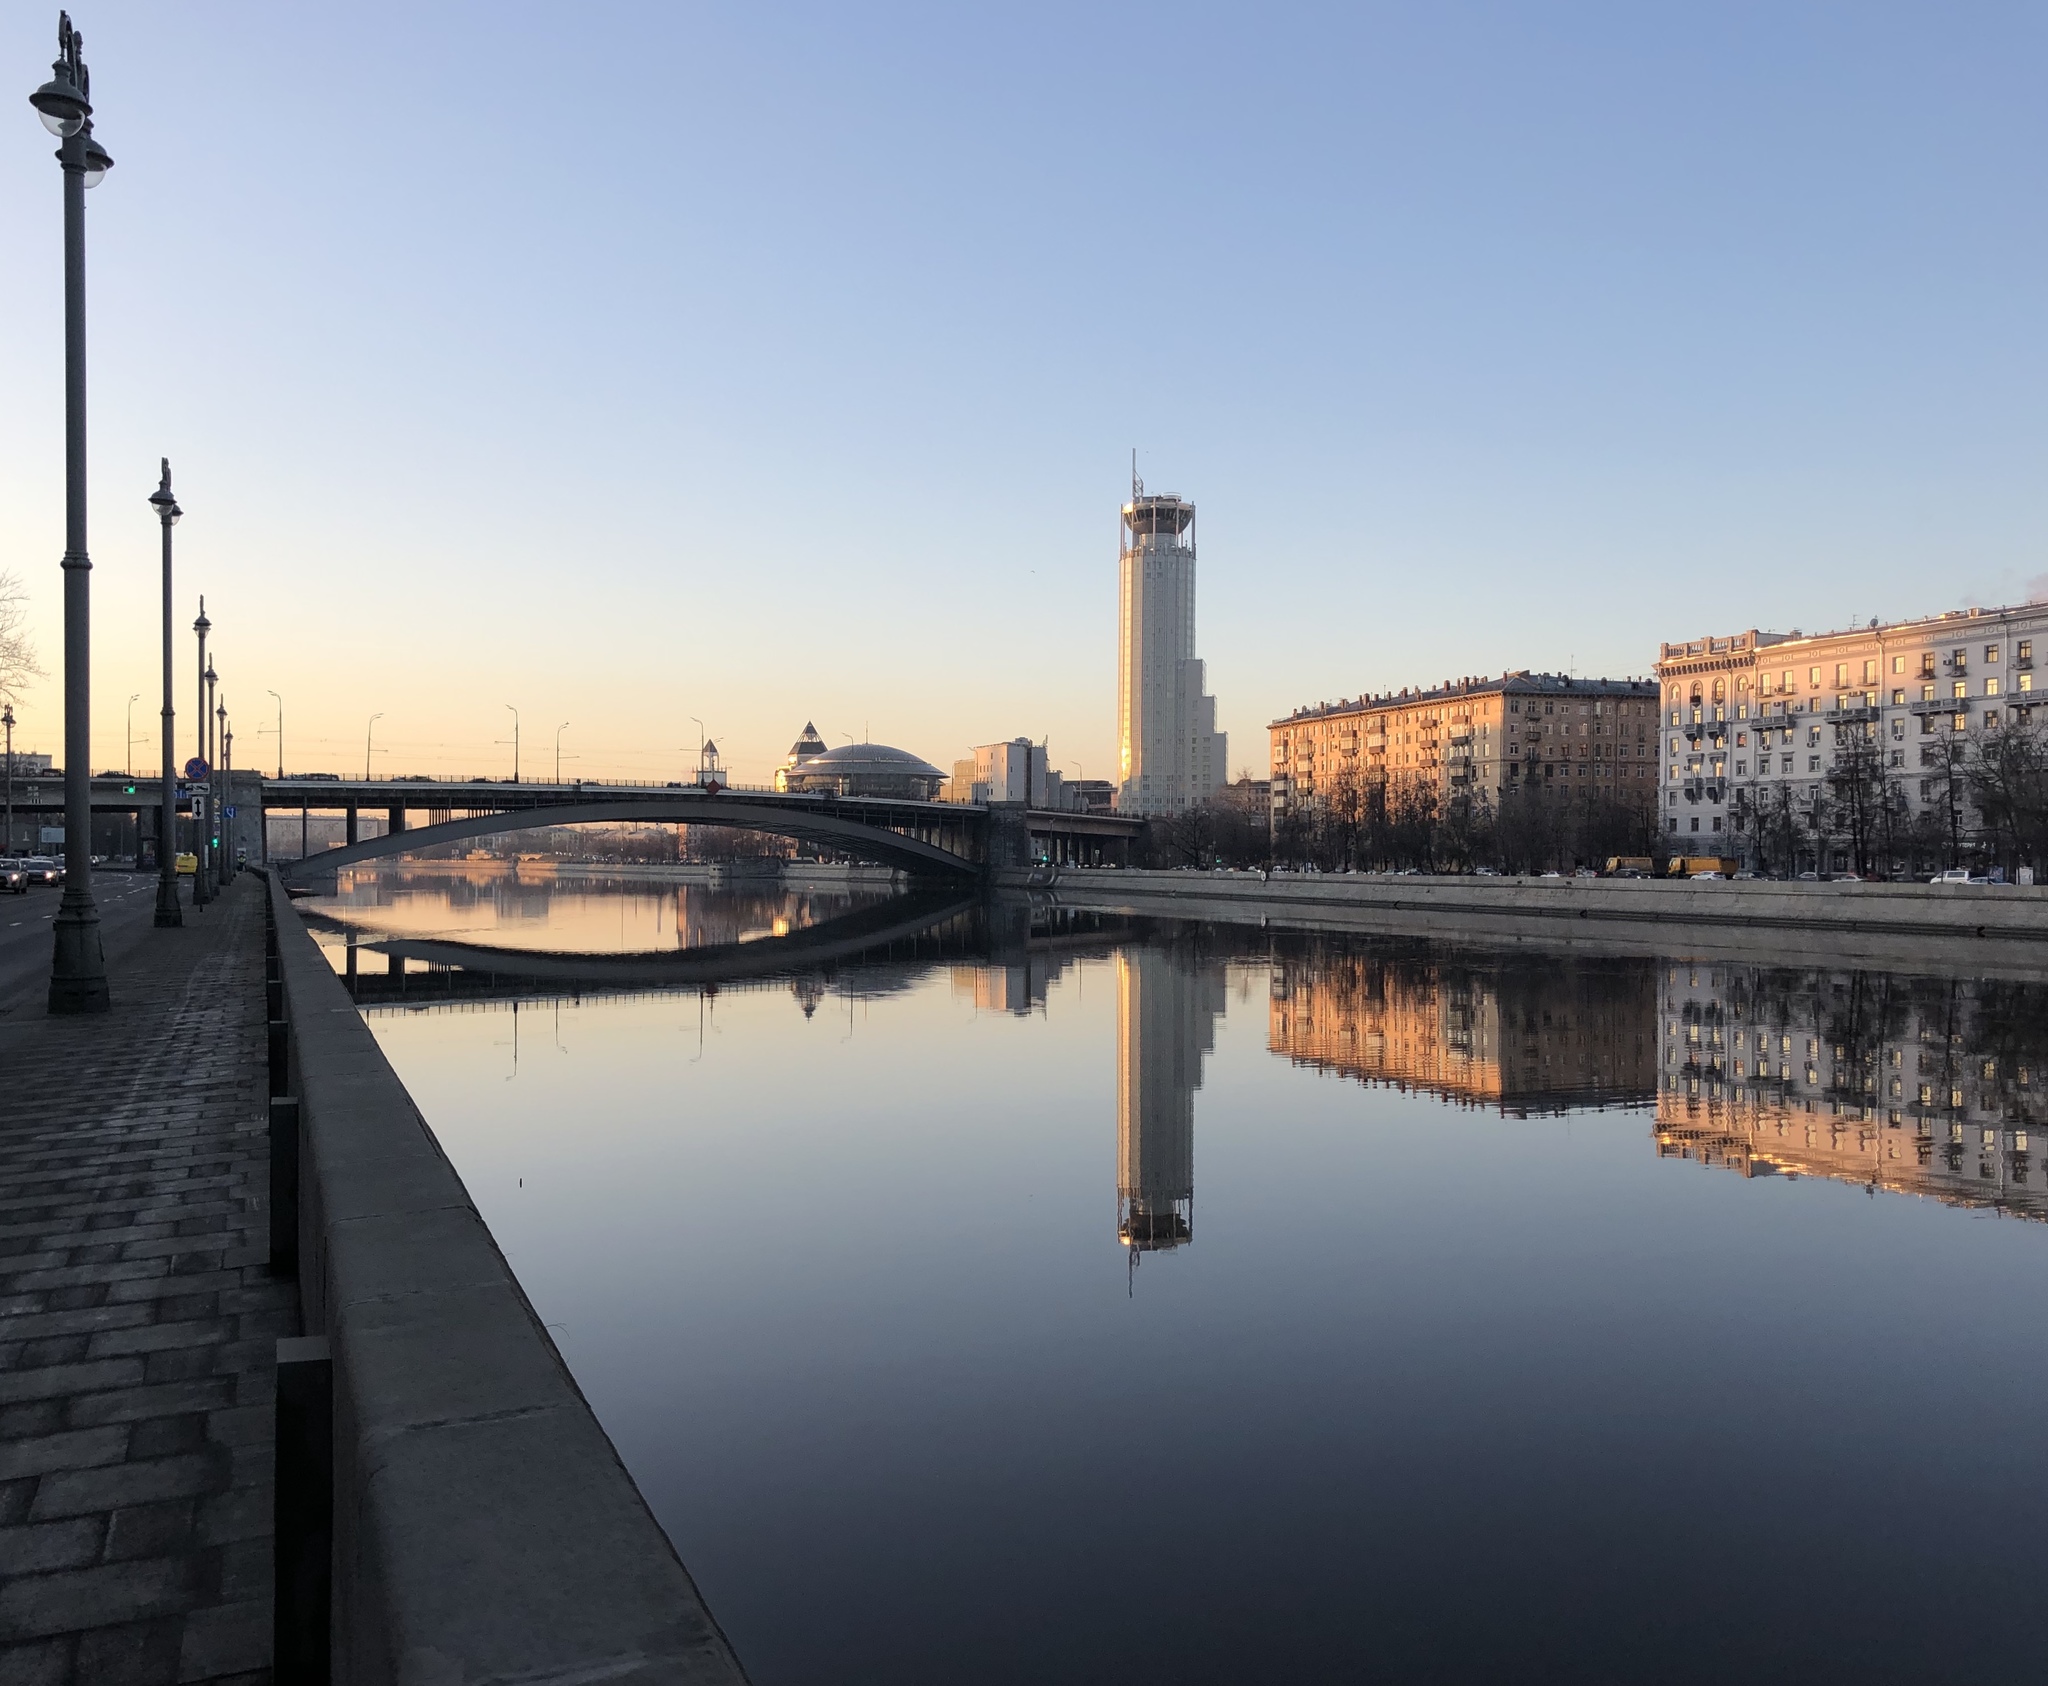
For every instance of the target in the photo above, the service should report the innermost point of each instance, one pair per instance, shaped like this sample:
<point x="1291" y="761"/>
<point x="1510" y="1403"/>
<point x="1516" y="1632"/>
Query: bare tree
<point x="18" y="663"/>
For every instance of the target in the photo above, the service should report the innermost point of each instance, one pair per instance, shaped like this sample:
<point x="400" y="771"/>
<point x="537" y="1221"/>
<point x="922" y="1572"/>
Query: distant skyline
<point x="769" y="365"/>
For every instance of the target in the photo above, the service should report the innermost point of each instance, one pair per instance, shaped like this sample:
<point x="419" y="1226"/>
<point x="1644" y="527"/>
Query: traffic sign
<point x="197" y="769"/>
<point x="228" y="808"/>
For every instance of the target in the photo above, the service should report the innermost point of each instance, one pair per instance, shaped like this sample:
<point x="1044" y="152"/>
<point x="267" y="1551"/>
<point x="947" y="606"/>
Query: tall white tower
<point x="1169" y="754"/>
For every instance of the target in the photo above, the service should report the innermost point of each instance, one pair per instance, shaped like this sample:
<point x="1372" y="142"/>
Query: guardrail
<point x="449" y="1508"/>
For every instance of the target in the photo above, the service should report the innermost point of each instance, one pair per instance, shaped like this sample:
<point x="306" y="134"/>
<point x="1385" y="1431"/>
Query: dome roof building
<point x="862" y="769"/>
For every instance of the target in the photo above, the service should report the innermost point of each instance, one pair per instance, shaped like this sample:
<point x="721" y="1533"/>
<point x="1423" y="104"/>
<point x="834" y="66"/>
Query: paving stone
<point x="152" y="1530"/>
<point x="107" y="1595"/>
<point x="38" y="1546"/>
<point x="79" y="1448"/>
<point x="138" y="1321"/>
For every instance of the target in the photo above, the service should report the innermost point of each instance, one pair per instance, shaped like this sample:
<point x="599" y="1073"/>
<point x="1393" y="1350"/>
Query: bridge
<point x="949" y="840"/>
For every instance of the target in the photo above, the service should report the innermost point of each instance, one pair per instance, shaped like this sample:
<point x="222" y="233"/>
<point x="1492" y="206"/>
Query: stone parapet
<point x="484" y="1526"/>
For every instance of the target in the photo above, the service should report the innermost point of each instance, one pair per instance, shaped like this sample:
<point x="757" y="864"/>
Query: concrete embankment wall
<point x="1994" y="929"/>
<point x="485" y="1528"/>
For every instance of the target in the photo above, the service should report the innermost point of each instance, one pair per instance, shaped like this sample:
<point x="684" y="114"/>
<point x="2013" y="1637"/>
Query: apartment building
<point x="1474" y="737"/>
<point x="1758" y="719"/>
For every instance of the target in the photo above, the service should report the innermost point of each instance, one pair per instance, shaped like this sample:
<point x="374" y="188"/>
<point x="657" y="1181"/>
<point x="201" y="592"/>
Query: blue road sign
<point x="228" y="808"/>
<point x="197" y="769"/>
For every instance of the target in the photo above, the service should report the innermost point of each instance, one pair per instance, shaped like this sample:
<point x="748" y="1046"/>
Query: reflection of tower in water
<point x="1166" y="1012"/>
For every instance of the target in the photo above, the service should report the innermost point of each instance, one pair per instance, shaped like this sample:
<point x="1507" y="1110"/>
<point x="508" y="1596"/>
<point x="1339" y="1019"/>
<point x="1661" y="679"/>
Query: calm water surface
<point x="1059" y="1297"/>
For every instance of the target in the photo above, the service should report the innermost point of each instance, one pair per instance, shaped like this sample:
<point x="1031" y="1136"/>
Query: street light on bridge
<point x="515" y="743"/>
<point x="367" y="731"/>
<point x="559" y="730"/>
<point x="128" y="766"/>
<point x="78" y="965"/>
<point x="280" y="739"/>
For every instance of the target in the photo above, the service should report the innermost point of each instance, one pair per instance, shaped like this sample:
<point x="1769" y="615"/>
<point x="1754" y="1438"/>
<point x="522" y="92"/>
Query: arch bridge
<point x="952" y="840"/>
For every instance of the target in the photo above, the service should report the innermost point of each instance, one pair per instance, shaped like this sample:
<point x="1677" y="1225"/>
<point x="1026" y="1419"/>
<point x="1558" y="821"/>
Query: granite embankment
<point x="1999" y="927"/>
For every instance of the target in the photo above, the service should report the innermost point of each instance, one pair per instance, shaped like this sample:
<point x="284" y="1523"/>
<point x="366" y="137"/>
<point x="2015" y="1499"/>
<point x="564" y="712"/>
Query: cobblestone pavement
<point x="138" y="1322"/>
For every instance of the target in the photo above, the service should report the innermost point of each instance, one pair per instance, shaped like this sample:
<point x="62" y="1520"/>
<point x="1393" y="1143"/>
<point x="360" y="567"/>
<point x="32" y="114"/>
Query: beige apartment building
<point x="1474" y="737"/>
<point x="1757" y="719"/>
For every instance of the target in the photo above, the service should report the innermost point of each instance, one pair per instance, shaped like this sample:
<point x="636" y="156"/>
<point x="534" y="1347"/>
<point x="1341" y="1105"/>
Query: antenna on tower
<point x="1137" y="485"/>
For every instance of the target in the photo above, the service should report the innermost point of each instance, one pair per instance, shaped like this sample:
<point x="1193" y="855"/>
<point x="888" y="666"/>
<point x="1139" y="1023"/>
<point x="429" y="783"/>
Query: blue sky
<point x="771" y="364"/>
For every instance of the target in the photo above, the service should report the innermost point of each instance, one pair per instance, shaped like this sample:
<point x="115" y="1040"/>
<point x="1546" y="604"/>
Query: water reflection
<point x="825" y="1248"/>
<point x="1913" y="1085"/>
<point x="1168" y="999"/>
<point x="1524" y="1033"/>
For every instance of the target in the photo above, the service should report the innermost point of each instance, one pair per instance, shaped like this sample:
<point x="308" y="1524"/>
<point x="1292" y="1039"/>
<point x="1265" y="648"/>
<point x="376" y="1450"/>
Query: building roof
<point x="870" y="760"/>
<point x="1520" y="682"/>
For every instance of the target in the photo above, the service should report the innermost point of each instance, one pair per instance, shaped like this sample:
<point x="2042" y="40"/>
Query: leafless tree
<point x="18" y="663"/>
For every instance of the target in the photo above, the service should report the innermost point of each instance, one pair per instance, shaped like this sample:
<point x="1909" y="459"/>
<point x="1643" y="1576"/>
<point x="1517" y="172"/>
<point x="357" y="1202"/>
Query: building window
<point x="1959" y="690"/>
<point x="1991" y="687"/>
<point x="2025" y="652"/>
<point x="1695" y="823"/>
<point x="1717" y="822"/>
<point x="1991" y="717"/>
<point x="1674" y="823"/>
<point x="1990" y="654"/>
<point x="1898" y="664"/>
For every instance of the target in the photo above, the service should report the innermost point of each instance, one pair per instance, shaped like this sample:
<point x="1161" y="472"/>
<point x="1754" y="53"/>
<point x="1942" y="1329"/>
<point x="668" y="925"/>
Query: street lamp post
<point x="222" y="870"/>
<point x="128" y="766"/>
<point x="559" y="730"/>
<point x="78" y="965"/>
<point x="515" y="743"/>
<point x="280" y="735"/>
<point x="213" y="802"/>
<point x="367" y="731"/>
<point x="7" y="720"/>
<point x="201" y="893"/>
<point x="168" y="913"/>
<point x="227" y="834"/>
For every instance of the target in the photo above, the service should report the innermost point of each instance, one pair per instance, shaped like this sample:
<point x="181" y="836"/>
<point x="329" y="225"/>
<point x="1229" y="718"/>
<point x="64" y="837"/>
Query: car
<point x="1585" y="872"/>
<point x="1550" y="875"/>
<point x="1845" y="878"/>
<point x="1746" y="876"/>
<point x="1484" y="872"/>
<point x="1698" y="875"/>
<point x="42" y="869"/>
<point x="186" y="865"/>
<point x="1954" y="875"/>
<point x="1809" y="878"/>
<point x="13" y="877"/>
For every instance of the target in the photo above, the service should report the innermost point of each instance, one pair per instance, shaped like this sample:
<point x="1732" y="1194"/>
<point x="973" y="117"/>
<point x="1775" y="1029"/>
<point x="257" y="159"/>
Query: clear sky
<point x="764" y="364"/>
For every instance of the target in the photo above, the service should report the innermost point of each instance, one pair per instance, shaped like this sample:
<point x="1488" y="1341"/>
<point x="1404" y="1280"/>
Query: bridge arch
<point x="782" y="819"/>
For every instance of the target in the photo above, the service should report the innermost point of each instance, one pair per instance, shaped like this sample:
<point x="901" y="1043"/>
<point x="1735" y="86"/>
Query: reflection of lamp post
<point x="559" y="730"/>
<point x="367" y="731"/>
<point x="78" y="966"/>
<point x="168" y="913"/>
<point x="201" y="894"/>
<point x="515" y="743"/>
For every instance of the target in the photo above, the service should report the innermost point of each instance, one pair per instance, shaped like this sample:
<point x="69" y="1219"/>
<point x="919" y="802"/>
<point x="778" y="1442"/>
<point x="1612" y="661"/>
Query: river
<point x="1037" y="1294"/>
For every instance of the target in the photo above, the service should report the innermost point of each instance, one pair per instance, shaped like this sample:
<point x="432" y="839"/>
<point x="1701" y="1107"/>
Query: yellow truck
<point x="1691" y="866"/>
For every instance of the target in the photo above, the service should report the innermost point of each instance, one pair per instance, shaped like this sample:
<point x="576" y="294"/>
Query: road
<point x="127" y="903"/>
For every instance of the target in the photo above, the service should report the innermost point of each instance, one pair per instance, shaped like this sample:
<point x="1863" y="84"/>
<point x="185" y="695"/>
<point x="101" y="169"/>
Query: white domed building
<point x="860" y="769"/>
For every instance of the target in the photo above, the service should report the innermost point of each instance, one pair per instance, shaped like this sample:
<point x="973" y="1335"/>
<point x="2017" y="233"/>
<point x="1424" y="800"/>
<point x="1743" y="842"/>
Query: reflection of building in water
<point x="1522" y="1033"/>
<point x="1167" y="1005"/>
<point x="1916" y="1085"/>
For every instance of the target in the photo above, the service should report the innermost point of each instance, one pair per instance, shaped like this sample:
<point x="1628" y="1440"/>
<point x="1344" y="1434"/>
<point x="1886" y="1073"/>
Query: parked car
<point x="13" y="877"/>
<point x="1954" y="875"/>
<point x="1746" y="875"/>
<point x="1699" y="875"/>
<point x="42" y="869"/>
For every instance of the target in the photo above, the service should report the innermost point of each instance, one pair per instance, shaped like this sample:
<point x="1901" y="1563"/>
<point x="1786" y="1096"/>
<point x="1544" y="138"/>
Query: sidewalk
<point x="137" y="1320"/>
